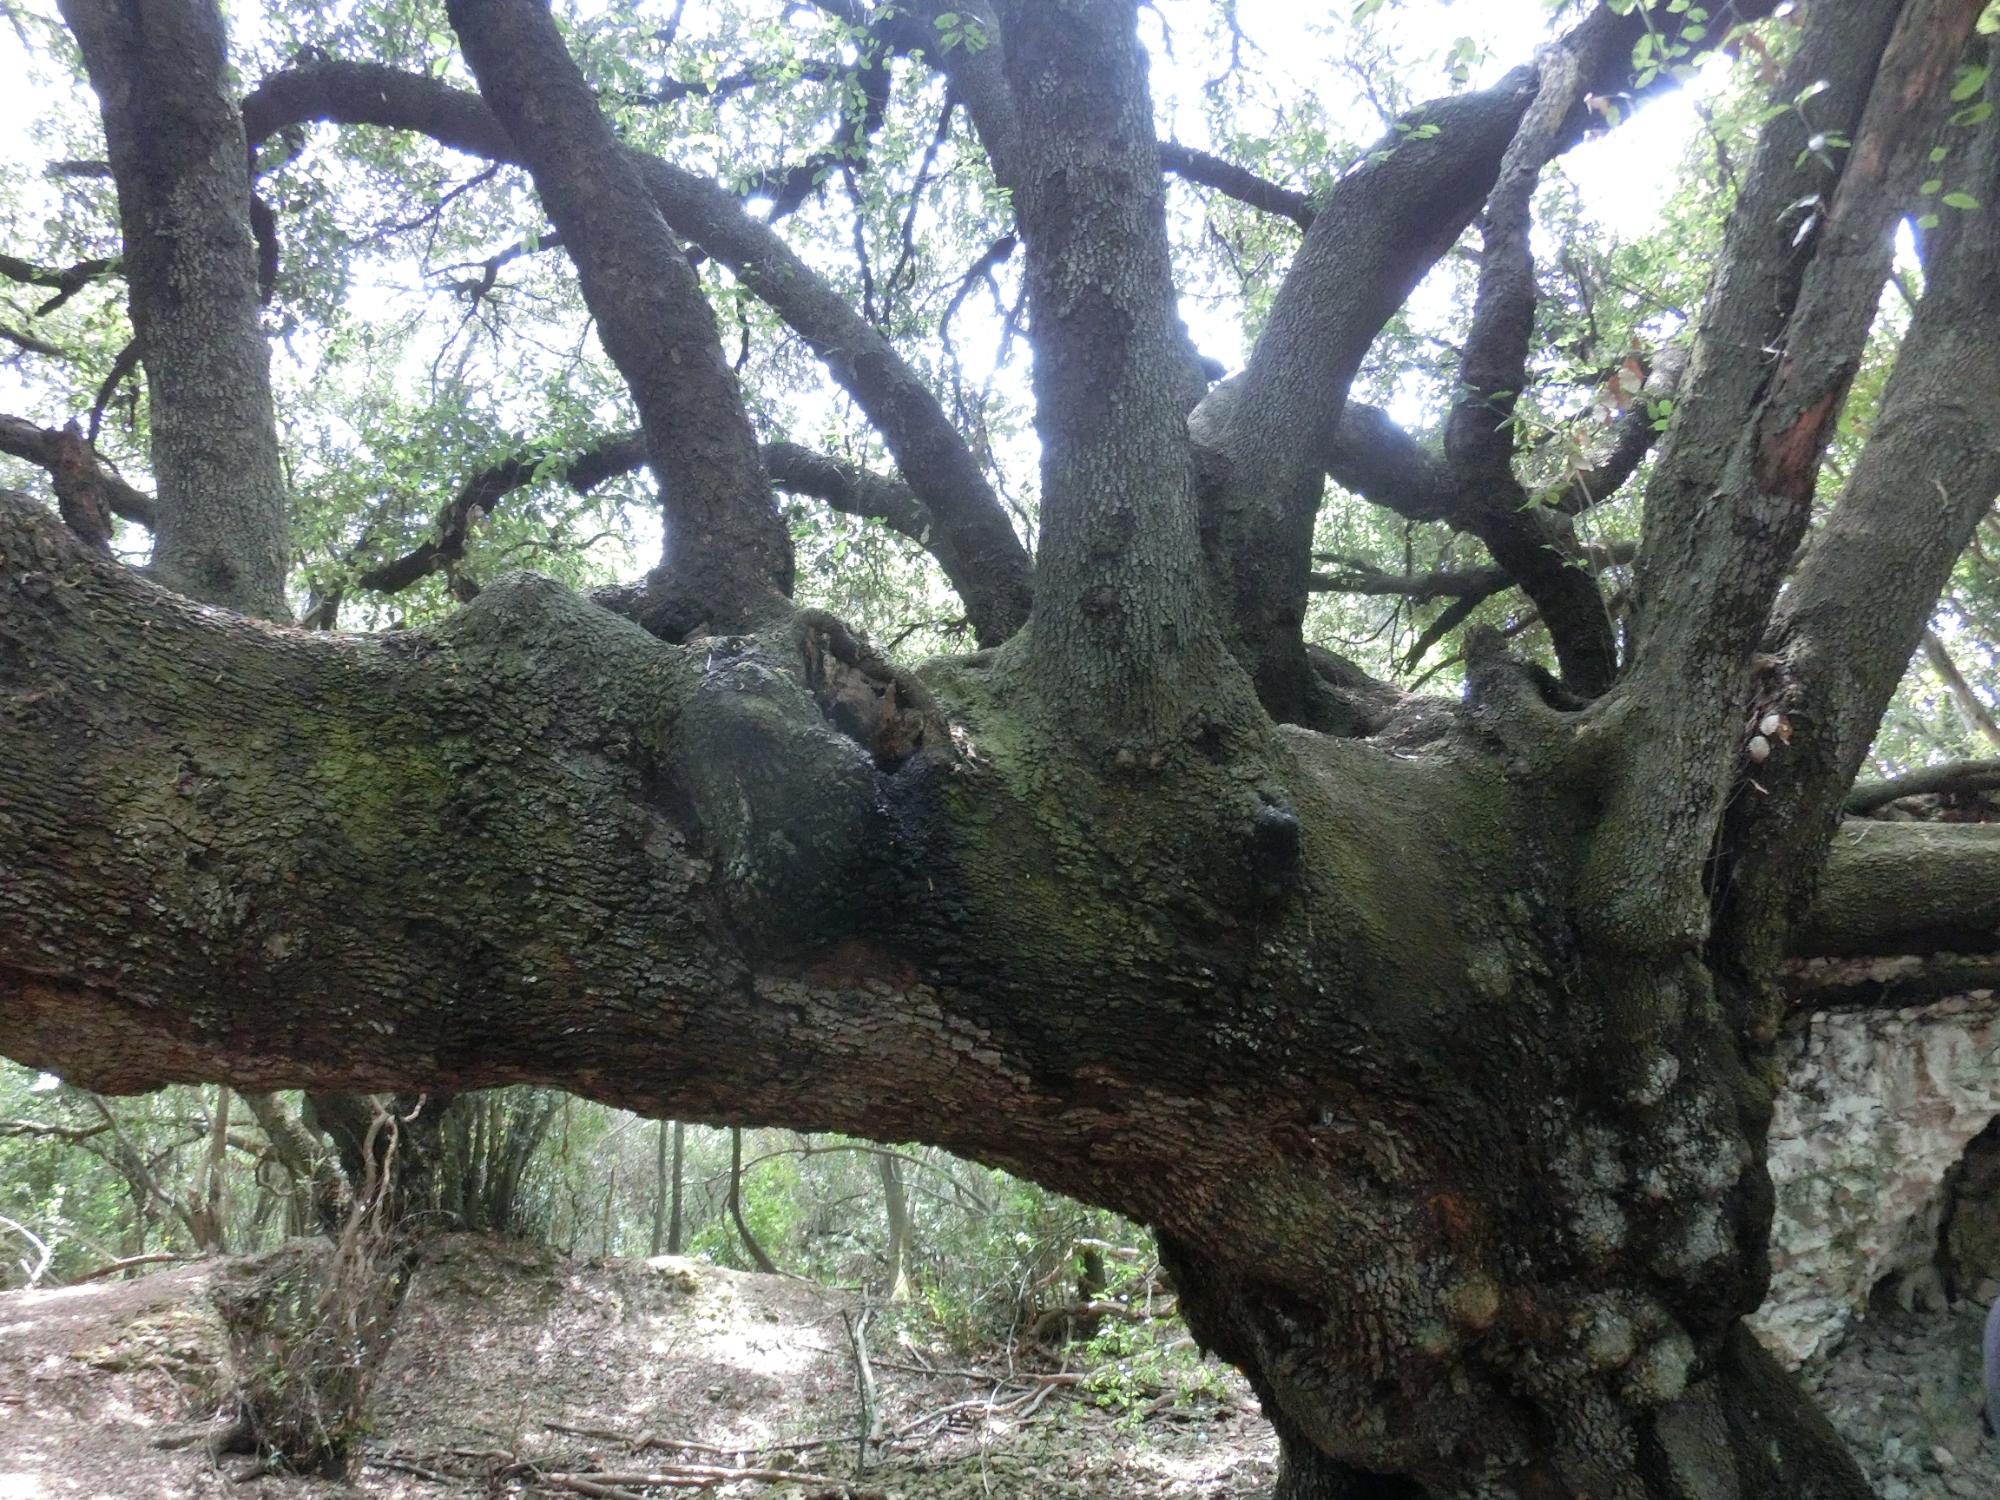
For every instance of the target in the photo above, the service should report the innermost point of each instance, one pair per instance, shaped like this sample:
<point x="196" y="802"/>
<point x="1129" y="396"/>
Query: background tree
<point x="1432" y="1036"/>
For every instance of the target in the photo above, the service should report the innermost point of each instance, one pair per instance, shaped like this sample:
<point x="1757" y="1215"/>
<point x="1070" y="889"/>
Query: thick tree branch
<point x="1205" y="169"/>
<point x="180" y="163"/>
<point x="1710" y="540"/>
<point x="1121" y="612"/>
<point x="1825" y="295"/>
<point x="849" y="488"/>
<point x="1382" y="228"/>
<point x="1895" y="888"/>
<point x="728" y="556"/>
<point x="536" y="844"/>
<point x="45" y="446"/>
<point x="1888" y="983"/>
<point x="1536" y="547"/>
<point x="1372" y="455"/>
<point x="933" y="457"/>
<point x="1857" y="606"/>
<point x="978" y="74"/>
<point x="1953" y="776"/>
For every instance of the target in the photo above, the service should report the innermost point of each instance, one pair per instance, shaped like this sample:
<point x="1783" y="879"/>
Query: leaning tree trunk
<point x="1438" y="1061"/>
<point x="1423" y="1164"/>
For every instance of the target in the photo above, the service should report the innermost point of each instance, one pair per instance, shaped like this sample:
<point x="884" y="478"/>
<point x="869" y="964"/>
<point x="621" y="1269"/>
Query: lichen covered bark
<point x="1313" y="1009"/>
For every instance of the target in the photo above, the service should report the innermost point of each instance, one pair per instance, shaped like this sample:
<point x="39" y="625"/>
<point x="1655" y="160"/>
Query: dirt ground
<point x="516" y="1372"/>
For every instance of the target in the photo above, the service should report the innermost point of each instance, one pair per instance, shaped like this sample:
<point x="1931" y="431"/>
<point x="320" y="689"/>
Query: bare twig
<point x="856" y="1325"/>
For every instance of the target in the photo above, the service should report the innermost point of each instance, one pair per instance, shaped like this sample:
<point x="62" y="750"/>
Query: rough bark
<point x="178" y="157"/>
<point x="1382" y="228"/>
<point x="728" y="559"/>
<point x="971" y="535"/>
<point x="1713" y="538"/>
<point x="547" y="847"/>
<point x="1122" y="621"/>
<point x="1856" y="607"/>
<point x="1453" y="1141"/>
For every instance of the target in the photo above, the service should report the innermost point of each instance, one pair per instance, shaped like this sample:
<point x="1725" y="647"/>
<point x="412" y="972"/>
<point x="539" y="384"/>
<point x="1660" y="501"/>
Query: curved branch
<point x="994" y="578"/>
<point x="1955" y="776"/>
<point x="1371" y="454"/>
<point x="67" y="282"/>
<point x="483" y="491"/>
<point x="865" y="105"/>
<point x="729" y="558"/>
<point x="1205" y="169"/>
<point x="1633" y="438"/>
<point x="1381" y="229"/>
<point x="45" y="446"/>
<point x="847" y="487"/>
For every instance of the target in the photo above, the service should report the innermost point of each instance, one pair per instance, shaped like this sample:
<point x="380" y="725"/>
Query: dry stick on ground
<point x="674" y="1476"/>
<point x="639" y="1442"/>
<point x="856" y="1325"/>
<point x="129" y="1263"/>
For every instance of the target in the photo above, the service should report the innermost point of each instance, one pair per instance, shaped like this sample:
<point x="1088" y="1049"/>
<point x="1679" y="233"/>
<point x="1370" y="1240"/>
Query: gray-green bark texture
<point x="1418" y="1030"/>
<point x="177" y="153"/>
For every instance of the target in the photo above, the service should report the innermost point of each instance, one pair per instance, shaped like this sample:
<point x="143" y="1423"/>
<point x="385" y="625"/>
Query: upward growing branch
<point x="1120" y="610"/>
<point x="971" y="538"/>
<point x="1732" y="492"/>
<point x="177" y="155"/>
<point x="1537" y="547"/>
<point x="1857" y="606"/>
<point x="1382" y="228"/>
<point x="728" y="559"/>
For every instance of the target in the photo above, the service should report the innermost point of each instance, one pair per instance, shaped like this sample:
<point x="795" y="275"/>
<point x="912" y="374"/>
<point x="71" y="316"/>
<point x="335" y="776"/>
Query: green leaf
<point x="1971" y="79"/>
<point x="1959" y="201"/>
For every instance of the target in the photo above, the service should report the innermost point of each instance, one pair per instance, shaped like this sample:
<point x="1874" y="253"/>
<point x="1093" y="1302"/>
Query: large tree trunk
<point x="1439" y="1061"/>
<point x="1428" y="1167"/>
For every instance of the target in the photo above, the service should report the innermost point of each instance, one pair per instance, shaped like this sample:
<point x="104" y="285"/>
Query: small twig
<point x="675" y="1476"/>
<point x="639" y="1442"/>
<point x="404" y="1466"/>
<point x="856" y="1325"/>
<point x="37" y="1241"/>
<point x="127" y="1263"/>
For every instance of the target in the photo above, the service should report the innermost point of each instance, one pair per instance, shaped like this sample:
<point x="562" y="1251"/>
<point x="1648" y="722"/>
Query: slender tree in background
<point x="676" y="1238"/>
<point x="1432" y="1036"/>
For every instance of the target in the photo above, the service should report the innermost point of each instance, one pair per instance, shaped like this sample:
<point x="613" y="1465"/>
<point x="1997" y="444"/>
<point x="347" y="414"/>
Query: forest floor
<point x="516" y="1372"/>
